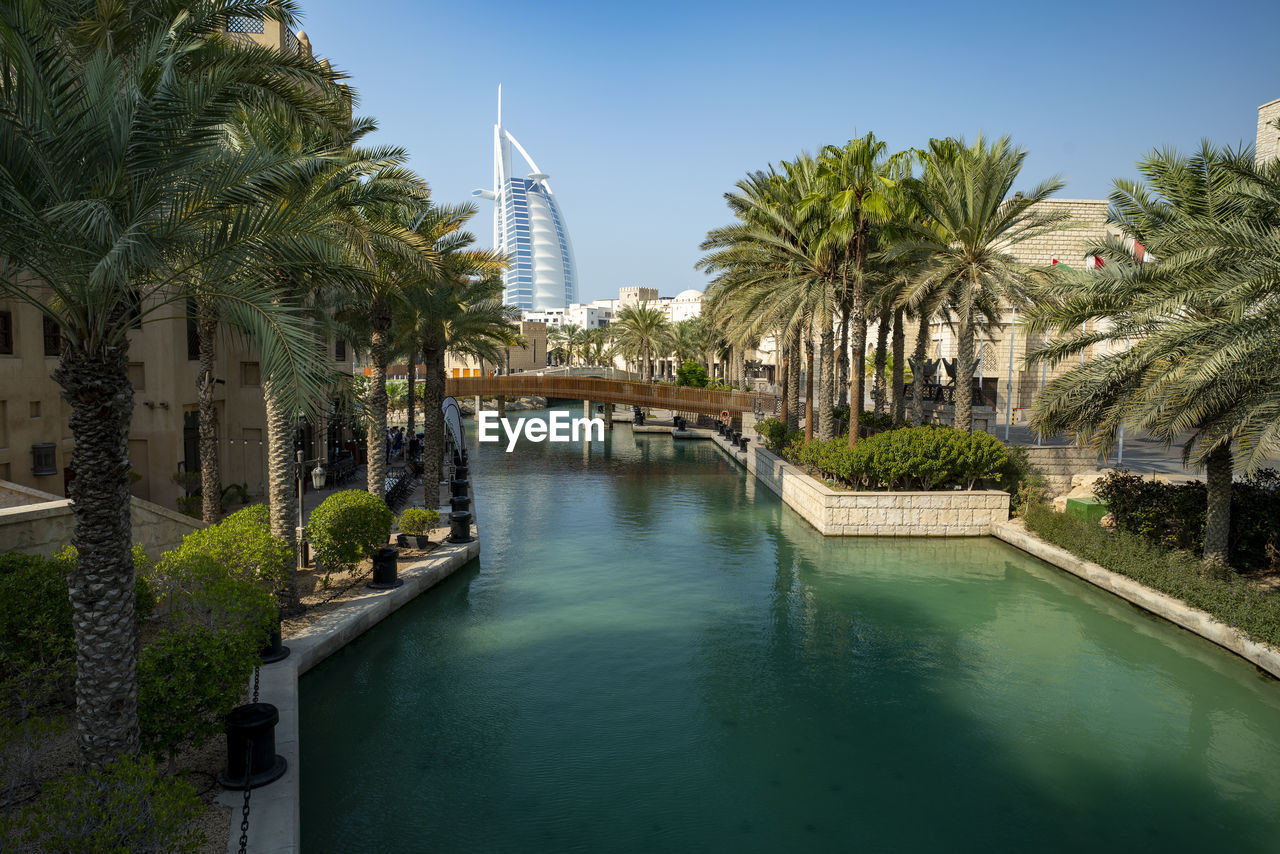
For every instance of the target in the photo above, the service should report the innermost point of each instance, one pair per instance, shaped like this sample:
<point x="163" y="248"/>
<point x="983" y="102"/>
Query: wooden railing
<point x="682" y="398"/>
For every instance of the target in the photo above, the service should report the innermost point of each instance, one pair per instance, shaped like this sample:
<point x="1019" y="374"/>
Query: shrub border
<point x="1202" y="623"/>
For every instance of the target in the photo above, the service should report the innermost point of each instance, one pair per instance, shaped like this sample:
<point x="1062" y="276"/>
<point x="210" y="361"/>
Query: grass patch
<point x="1229" y="598"/>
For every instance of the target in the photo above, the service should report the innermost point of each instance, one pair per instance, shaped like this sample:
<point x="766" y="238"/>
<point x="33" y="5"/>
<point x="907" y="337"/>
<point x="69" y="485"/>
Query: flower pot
<point x="413" y="541"/>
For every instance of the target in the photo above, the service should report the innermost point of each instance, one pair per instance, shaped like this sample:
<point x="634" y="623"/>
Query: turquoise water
<point x="653" y="654"/>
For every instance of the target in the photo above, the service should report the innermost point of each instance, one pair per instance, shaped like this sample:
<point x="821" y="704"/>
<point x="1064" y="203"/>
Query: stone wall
<point x="1058" y="463"/>
<point x="1267" y="146"/>
<point x="833" y="512"/>
<point x="44" y="528"/>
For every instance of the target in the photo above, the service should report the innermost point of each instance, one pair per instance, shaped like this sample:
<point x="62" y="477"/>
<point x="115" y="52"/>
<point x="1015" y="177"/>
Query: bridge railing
<point x="628" y="392"/>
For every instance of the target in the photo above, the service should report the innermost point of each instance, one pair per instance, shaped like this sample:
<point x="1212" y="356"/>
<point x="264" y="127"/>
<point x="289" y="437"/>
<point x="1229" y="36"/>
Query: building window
<point x="243" y="24"/>
<point x="250" y="374"/>
<point x="35" y="409"/>
<point x="138" y="375"/>
<point x="52" y="337"/>
<point x="340" y="350"/>
<point x="44" y="459"/>
<point x="6" y="333"/>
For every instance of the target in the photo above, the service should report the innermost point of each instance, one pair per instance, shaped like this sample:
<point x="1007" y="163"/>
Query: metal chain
<point x="244" y="811"/>
<point x="248" y="767"/>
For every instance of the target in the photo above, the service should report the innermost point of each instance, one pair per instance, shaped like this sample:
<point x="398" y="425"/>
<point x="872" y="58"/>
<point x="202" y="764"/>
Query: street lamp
<point x="302" y="532"/>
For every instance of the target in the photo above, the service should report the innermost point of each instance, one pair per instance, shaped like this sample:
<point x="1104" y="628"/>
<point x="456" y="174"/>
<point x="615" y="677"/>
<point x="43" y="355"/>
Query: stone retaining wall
<point x="951" y="513"/>
<point x="1059" y="462"/>
<point x="44" y="528"/>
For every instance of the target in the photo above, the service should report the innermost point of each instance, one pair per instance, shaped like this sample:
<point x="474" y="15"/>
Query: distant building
<point x="529" y="229"/>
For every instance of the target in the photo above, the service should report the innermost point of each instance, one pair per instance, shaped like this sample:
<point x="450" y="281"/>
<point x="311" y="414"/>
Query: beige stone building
<point x="35" y="438"/>
<point x="532" y="354"/>
<point x="1267" y="146"/>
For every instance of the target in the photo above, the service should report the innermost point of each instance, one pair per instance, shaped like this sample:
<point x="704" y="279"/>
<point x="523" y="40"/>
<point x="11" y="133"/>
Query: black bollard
<point x="251" y="733"/>
<point x="385" y="569"/>
<point x="462" y="472"/>
<point x="459" y="487"/>
<point x="734" y="437"/>
<point x="460" y="502"/>
<point x="742" y="442"/>
<point x="274" y="650"/>
<point x="459" y="528"/>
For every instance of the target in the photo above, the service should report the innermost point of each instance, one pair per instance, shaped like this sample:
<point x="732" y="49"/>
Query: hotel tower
<point x="528" y="228"/>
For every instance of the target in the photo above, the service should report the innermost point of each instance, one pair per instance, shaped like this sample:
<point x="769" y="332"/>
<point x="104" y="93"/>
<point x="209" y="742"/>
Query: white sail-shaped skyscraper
<point x="528" y="228"/>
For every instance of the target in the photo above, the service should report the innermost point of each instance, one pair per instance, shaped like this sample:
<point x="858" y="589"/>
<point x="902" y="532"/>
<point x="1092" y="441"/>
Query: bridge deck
<point x="679" y="398"/>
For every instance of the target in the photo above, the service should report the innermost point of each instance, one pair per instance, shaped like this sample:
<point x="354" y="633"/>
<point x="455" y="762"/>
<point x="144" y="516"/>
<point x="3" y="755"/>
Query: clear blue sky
<point x="645" y="114"/>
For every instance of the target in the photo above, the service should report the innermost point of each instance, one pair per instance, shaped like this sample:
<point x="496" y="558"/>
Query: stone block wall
<point x="44" y="528"/>
<point x="832" y="512"/>
<point x="1058" y="463"/>
<point x="1267" y="146"/>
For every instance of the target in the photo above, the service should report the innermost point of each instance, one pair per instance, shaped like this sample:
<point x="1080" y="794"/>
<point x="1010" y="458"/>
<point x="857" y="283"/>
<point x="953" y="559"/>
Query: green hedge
<point x="244" y="544"/>
<point x="1172" y="515"/>
<point x="1180" y="574"/>
<point x="348" y="526"/>
<point x="931" y="457"/>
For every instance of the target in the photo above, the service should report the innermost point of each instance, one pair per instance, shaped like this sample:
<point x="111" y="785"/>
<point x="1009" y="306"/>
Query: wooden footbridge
<point x="626" y="392"/>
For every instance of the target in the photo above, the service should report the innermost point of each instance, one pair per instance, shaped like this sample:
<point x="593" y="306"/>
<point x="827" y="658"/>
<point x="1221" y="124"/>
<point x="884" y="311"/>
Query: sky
<point x="645" y="114"/>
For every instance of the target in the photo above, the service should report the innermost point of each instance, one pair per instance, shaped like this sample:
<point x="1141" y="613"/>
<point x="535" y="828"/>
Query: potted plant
<point x="416" y="524"/>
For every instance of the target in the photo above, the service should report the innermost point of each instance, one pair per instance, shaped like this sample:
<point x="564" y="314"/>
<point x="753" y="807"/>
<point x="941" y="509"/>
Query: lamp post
<point x="302" y="538"/>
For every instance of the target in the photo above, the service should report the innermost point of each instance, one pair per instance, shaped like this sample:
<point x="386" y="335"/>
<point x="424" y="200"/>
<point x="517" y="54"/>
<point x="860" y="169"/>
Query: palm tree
<point x="642" y="331"/>
<point x="856" y="183"/>
<point x="111" y="130"/>
<point x="971" y="224"/>
<point x="1190" y="333"/>
<point x="562" y="340"/>
<point x="459" y="309"/>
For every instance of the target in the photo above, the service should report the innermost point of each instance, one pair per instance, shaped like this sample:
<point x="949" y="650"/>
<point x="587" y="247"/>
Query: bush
<point x="416" y="521"/>
<point x="37" y="640"/>
<point x="775" y="434"/>
<point x="127" y="806"/>
<point x="932" y="457"/>
<point x="691" y="373"/>
<point x="348" y="526"/>
<point x="196" y="592"/>
<point x="1177" y="573"/>
<point x="37" y="649"/>
<point x="1172" y="515"/>
<point x="244" y="544"/>
<point x="189" y="679"/>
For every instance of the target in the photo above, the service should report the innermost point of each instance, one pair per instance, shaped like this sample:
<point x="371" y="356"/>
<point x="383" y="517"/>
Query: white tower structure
<point x="528" y="228"/>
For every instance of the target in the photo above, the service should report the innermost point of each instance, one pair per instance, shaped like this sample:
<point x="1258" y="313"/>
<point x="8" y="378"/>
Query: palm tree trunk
<point x="740" y="366"/>
<point x="282" y="480"/>
<point x="808" y="388"/>
<point x="376" y="467"/>
<point x="101" y="585"/>
<point x="793" y="383"/>
<point x="964" y="375"/>
<point x="879" y="387"/>
<point x="842" y="360"/>
<point x="785" y="376"/>
<point x="899" y="367"/>
<point x="826" y="379"/>
<point x="210" y="472"/>
<point x="858" y="358"/>
<point x="917" y="378"/>
<point x="413" y="379"/>
<point x="1217" y="518"/>
<point x="432" y="417"/>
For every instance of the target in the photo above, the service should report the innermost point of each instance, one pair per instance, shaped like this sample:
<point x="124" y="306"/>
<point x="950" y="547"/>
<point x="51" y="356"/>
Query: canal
<point x="653" y="654"/>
